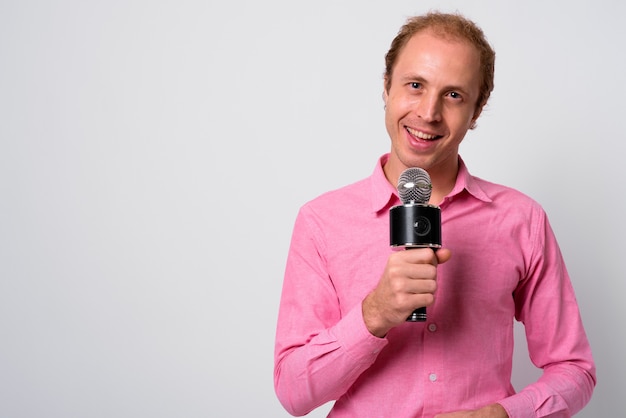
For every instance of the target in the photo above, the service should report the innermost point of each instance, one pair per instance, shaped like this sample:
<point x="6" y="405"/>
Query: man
<point x="342" y="332"/>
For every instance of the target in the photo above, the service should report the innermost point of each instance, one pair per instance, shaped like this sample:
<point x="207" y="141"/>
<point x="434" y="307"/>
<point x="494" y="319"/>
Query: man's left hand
<point x="489" y="411"/>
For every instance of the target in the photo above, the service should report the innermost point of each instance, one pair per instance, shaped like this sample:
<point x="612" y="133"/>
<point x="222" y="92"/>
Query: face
<point x="430" y="105"/>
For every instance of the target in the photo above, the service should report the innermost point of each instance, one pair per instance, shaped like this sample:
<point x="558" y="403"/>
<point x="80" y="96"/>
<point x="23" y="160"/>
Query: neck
<point x="441" y="190"/>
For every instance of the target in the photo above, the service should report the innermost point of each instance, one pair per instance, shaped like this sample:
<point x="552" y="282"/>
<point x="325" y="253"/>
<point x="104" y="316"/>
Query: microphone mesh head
<point x="414" y="186"/>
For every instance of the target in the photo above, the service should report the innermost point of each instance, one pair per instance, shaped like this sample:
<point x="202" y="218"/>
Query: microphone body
<point x="415" y="223"/>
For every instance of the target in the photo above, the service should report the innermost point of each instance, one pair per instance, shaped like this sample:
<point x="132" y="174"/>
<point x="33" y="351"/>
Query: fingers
<point x="411" y="269"/>
<point x="416" y="256"/>
<point x="408" y="282"/>
<point x="424" y="256"/>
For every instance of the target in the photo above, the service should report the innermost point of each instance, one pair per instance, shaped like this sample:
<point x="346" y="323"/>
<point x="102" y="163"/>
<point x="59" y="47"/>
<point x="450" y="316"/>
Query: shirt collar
<point x="465" y="181"/>
<point x="384" y="194"/>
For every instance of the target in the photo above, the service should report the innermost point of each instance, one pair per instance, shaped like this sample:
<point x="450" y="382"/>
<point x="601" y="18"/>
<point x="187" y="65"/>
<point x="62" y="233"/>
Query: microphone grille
<point x="414" y="186"/>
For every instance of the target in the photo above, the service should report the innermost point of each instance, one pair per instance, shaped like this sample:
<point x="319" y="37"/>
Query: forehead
<point x="441" y="59"/>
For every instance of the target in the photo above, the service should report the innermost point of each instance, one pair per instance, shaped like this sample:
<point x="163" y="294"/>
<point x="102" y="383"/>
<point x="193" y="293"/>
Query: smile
<point x="421" y="135"/>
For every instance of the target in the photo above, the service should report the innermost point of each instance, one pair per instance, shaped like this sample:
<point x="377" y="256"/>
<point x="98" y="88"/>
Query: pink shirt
<point x="505" y="264"/>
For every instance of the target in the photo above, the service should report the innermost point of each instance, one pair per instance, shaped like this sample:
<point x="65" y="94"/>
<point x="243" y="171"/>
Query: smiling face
<point x="430" y="104"/>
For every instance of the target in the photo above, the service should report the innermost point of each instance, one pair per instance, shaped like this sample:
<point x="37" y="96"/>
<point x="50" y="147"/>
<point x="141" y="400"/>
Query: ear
<point x="385" y="93"/>
<point x="477" y="113"/>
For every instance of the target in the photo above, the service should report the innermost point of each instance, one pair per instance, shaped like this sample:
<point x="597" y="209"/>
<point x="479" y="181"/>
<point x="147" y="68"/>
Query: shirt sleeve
<point x="318" y="352"/>
<point x="557" y="343"/>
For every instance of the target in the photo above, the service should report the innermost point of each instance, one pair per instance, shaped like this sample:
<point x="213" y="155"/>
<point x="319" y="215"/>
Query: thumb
<point x="443" y="255"/>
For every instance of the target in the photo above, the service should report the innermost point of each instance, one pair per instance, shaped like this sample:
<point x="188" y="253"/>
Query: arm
<point x="319" y="351"/>
<point x="557" y="343"/>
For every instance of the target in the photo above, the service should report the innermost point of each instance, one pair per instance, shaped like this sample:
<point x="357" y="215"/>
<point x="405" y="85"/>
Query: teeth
<point x="420" y="135"/>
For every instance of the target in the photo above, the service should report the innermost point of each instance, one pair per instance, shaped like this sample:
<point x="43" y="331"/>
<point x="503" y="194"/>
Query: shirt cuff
<point x="356" y="339"/>
<point x="518" y="406"/>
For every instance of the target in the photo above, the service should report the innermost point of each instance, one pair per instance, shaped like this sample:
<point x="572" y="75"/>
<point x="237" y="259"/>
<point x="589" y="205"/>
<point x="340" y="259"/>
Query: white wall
<point x="153" y="155"/>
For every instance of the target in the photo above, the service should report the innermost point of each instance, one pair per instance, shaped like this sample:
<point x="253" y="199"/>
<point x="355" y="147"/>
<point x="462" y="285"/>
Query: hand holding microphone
<point x="409" y="278"/>
<point x="415" y="223"/>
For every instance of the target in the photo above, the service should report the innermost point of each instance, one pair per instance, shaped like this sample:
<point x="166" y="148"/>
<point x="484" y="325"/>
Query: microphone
<point x="415" y="223"/>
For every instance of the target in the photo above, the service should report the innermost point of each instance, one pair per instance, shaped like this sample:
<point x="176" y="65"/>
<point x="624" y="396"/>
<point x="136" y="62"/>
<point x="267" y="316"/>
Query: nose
<point x="429" y="108"/>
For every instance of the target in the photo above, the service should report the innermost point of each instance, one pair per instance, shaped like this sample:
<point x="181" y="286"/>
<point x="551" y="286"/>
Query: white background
<point x="153" y="155"/>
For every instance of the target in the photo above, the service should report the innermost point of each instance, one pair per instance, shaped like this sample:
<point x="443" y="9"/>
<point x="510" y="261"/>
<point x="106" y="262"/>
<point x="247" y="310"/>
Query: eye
<point x="415" y="85"/>
<point x="455" y="95"/>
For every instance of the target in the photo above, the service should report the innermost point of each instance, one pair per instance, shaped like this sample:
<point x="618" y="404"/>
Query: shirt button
<point x="432" y="327"/>
<point x="432" y="377"/>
